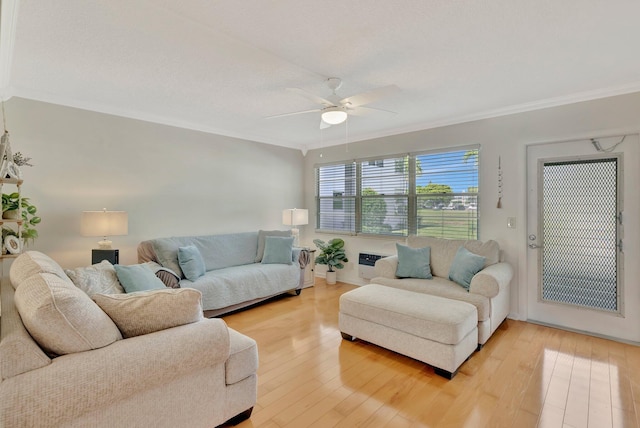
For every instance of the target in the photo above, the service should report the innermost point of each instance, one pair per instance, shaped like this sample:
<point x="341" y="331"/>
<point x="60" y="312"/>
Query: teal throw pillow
<point x="464" y="266"/>
<point x="137" y="278"/>
<point x="277" y="250"/>
<point x="413" y="262"/>
<point x="191" y="262"/>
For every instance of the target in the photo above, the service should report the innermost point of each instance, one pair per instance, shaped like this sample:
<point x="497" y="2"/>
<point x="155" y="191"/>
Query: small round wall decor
<point x="12" y="244"/>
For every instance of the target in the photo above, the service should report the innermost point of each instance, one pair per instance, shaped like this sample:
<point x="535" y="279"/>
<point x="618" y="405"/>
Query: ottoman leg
<point x="348" y="337"/>
<point x="445" y="374"/>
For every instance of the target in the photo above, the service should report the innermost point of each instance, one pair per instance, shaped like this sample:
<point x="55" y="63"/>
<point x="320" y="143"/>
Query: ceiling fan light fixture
<point x="334" y="115"/>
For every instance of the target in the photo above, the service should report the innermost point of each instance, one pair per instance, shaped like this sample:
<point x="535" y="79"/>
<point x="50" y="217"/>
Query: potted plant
<point x="29" y="217"/>
<point x="331" y="254"/>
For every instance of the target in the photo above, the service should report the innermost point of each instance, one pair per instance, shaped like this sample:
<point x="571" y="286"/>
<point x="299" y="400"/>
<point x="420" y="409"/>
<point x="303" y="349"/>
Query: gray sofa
<point x="235" y="277"/>
<point x="489" y="289"/>
<point x="81" y="372"/>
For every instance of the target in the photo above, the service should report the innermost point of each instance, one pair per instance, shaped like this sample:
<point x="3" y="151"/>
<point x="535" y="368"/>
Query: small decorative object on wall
<point x="12" y="244"/>
<point x="331" y="254"/>
<point x="499" y="205"/>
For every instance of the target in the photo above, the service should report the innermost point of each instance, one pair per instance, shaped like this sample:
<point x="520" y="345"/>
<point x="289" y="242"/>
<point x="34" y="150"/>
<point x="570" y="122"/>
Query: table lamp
<point x="295" y="217"/>
<point x="104" y="223"/>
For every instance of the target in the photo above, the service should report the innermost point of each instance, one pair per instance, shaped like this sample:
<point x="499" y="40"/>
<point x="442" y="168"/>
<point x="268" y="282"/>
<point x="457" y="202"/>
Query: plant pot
<point x="330" y="277"/>
<point x="11" y="214"/>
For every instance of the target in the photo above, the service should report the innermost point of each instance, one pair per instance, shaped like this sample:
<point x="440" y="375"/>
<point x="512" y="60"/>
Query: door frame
<point x="614" y="322"/>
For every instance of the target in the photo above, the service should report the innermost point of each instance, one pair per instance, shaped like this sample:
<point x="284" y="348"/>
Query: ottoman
<point x="438" y="331"/>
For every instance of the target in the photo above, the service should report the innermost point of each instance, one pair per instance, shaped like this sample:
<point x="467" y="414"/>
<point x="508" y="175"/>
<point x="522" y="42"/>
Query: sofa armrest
<point x="146" y="253"/>
<point x="386" y="267"/>
<point x="490" y="281"/>
<point x="85" y="381"/>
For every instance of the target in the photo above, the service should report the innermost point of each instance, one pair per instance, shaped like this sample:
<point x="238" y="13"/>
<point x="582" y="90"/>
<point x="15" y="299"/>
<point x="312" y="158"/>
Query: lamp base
<point x="296" y="236"/>
<point x="105" y="244"/>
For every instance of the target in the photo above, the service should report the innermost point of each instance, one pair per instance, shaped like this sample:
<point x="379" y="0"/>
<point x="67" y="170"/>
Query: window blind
<point x="428" y="194"/>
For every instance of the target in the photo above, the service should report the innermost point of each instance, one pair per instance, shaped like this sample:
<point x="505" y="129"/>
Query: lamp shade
<point x="104" y="223"/>
<point x="295" y="217"/>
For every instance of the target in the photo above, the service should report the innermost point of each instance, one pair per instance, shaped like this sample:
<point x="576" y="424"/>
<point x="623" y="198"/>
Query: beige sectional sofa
<point x="489" y="288"/>
<point x="153" y="361"/>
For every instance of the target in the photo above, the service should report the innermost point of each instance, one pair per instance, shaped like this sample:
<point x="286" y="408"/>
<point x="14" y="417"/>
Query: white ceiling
<point x="222" y="66"/>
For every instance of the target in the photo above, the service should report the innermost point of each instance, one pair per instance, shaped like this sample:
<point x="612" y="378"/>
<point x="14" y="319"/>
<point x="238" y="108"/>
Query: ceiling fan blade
<point x="324" y="125"/>
<point x="366" y="111"/>
<point x="316" y="99"/>
<point x="370" y="96"/>
<point x="315" y="110"/>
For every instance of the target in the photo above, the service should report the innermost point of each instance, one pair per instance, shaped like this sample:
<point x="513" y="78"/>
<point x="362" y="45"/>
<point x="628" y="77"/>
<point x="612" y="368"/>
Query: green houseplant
<point x="29" y="218"/>
<point x="331" y="254"/>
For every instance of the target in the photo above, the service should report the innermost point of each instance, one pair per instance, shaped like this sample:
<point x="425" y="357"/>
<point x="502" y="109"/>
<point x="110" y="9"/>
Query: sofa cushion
<point x="148" y="311"/>
<point x="413" y="262"/>
<point x="218" y="251"/>
<point x="19" y="353"/>
<point x="442" y="287"/>
<point x="191" y="262"/>
<point x="31" y="263"/>
<point x="62" y="318"/>
<point x="262" y="234"/>
<point x="138" y="278"/>
<point x="465" y="265"/>
<point x="98" y="278"/>
<point x="490" y="250"/>
<point x="277" y="250"/>
<point x="443" y="251"/>
<point x="220" y="287"/>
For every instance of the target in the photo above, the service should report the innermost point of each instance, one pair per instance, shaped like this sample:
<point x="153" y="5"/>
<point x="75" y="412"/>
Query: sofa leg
<point x="480" y="345"/>
<point x="444" y="373"/>
<point x="238" y="418"/>
<point x="348" y="337"/>
<point x="298" y="291"/>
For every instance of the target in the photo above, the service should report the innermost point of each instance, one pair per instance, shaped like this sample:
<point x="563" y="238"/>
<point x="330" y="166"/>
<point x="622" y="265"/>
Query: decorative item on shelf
<point x="104" y="223"/>
<point x="11" y="204"/>
<point x="331" y="254"/>
<point x="499" y="204"/>
<point x="12" y="244"/>
<point x="295" y="217"/>
<point x="8" y="168"/>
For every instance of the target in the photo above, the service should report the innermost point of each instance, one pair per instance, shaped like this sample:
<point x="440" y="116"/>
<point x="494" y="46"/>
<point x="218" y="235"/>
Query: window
<point x="384" y="196"/>
<point x="447" y="194"/>
<point x="336" y="197"/>
<point x="428" y="194"/>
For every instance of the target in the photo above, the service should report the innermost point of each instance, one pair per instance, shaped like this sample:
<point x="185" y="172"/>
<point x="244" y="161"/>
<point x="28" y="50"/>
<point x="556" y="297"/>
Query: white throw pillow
<point x="99" y="278"/>
<point x="61" y="317"/>
<point x="144" y="312"/>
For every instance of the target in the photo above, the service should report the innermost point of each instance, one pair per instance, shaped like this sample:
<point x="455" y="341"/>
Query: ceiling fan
<point x="335" y="110"/>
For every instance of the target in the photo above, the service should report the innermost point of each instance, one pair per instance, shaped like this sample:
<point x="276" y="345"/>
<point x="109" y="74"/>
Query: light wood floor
<point x="525" y="376"/>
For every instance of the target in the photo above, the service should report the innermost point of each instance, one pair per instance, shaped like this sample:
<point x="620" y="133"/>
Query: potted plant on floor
<point x="331" y="254"/>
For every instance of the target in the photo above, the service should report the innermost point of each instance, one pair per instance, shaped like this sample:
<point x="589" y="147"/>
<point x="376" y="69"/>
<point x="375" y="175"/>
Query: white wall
<point x="171" y="181"/>
<point x="508" y="137"/>
<point x="179" y="182"/>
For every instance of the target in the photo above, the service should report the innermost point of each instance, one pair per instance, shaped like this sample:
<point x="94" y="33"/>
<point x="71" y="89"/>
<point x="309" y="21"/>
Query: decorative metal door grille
<point x="579" y="209"/>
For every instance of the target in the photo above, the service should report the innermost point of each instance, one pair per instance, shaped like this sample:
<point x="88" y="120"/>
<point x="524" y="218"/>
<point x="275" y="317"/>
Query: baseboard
<point x="586" y="333"/>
